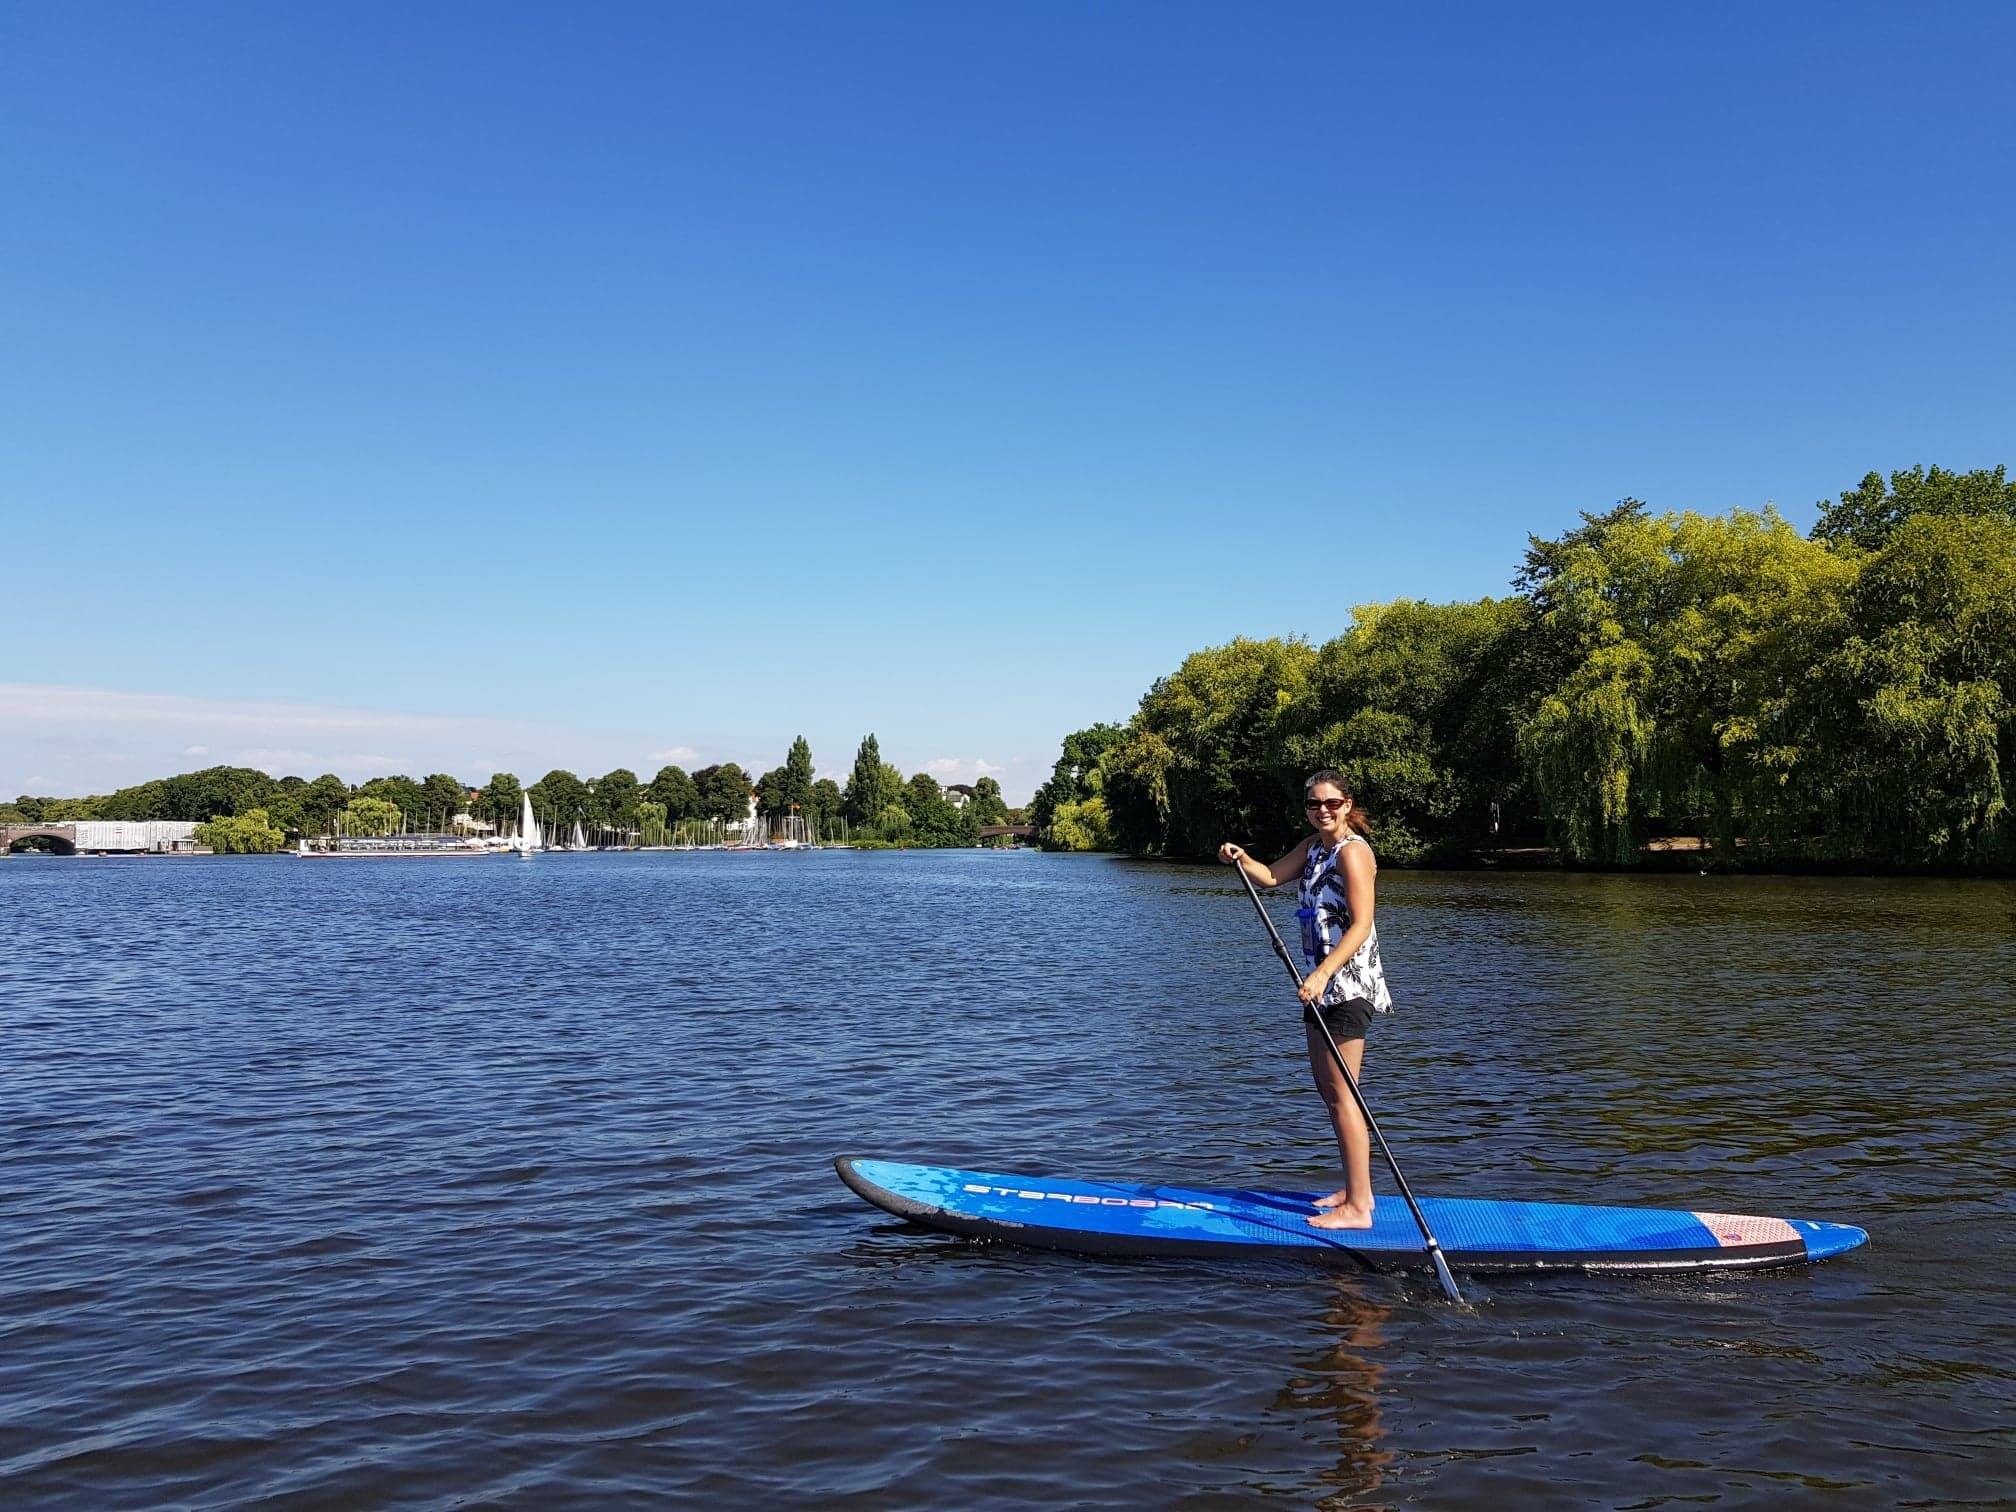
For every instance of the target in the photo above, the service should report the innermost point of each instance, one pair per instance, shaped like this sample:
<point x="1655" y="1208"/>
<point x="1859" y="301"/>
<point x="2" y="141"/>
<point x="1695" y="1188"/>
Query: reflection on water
<point x="1341" y="1382"/>
<point x="438" y="1184"/>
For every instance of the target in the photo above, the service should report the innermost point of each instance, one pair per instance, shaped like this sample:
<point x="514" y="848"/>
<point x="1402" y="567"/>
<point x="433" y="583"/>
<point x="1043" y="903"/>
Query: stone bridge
<point x="62" y="838"/>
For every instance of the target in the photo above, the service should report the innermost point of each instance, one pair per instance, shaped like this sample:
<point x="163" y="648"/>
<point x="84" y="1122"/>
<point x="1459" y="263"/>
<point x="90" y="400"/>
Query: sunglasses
<point x="1328" y="805"/>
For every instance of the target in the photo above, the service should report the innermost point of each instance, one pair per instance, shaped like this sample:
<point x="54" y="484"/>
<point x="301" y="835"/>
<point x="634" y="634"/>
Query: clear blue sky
<point x="559" y="385"/>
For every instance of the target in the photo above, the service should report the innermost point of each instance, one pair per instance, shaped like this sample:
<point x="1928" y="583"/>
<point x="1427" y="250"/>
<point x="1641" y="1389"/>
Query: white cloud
<point x="959" y="769"/>
<point x="95" y="740"/>
<point x="97" y="737"/>
<point x="267" y="756"/>
<point x="100" y="708"/>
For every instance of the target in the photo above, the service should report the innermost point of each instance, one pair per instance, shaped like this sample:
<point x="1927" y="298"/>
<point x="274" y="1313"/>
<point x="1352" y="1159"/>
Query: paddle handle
<point x="1435" y="1254"/>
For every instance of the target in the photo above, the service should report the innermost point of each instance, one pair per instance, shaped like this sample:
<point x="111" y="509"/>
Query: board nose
<point x="1825" y="1239"/>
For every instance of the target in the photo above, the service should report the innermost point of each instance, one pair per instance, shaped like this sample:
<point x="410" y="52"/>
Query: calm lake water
<point x="509" y="1184"/>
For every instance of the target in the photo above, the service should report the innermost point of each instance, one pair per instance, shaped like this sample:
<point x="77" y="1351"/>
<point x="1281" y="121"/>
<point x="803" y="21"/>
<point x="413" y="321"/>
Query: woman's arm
<point x="1262" y="874"/>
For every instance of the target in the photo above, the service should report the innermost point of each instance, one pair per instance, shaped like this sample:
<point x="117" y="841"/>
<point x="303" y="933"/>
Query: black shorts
<point x="1347" y="1020"/>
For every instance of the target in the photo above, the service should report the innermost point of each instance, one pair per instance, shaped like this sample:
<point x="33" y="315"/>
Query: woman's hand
<point x="1230" y="853"/>
<point x="1314" y="984"/>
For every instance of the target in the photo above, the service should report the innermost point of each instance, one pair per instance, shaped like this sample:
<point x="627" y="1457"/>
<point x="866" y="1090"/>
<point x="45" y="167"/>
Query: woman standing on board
<point x="1344" y="982"/>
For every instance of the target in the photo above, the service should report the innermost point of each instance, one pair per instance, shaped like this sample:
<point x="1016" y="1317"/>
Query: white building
<point x="146" y="835"/>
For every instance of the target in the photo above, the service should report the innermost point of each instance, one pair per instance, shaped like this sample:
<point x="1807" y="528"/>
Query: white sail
<point x="580" y="841"/>
<point x="528" y="829"/>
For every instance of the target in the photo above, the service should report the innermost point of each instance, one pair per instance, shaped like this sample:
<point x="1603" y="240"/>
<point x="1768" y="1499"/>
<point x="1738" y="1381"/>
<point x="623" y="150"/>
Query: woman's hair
<point x="1355" y="816"/>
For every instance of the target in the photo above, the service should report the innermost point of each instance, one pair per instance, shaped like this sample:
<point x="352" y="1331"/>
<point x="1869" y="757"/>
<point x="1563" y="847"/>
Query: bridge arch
<point x="62" y="839"/>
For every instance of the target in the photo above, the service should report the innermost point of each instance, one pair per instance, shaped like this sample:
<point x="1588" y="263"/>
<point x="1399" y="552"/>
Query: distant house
<point x="958" y="795"/>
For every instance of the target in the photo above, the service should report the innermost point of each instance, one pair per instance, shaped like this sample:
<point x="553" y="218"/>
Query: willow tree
<point x="369" y="816"/>
<point x="249" y="833"/>
<point x="1585" y="746"/>
<point x="1913" y="716"/>
<point x="651" y="828"/>
<point x="1673" y="644"/>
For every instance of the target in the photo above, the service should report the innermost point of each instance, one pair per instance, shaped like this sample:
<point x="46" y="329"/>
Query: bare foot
<point x="1339" y="1198"/>
<point x="1345" y="1217"/>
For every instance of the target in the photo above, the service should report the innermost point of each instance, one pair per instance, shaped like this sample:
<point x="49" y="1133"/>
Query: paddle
<point x="1371" y="1123"/>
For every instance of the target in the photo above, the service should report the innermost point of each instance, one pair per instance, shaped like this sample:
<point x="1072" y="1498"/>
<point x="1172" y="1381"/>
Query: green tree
<point x="443" y="797"/>
<point x="70" y="810"/>
<point x="1911" y="721"/>
<point x="502" y="800"/>
<point x="1677" y="640"/>
<point x="869" y="790"/>
<point x="1081" y="826"/>
<point x="676" y="792"/>
<point x="651" y="826"/>
<point x="894" y="824"/>
<point x="147" y="800"/>
<point x="560" y="799"/>
<point x="826" y="801"/>
<point x="920" y="792"/>
<point x="214" y="791"/>
<point x="286" y="811"/>
<point x="796" y="793"/>
<point x="986" y="805"/>
<point x="934" y="821"/>
<point x="249" y="833"/>
<point x="322" y="802"/>
<point x="1866" y="515"/>
<point x="368" y="816"/>
<point x="1070" y="778"/>
<point x="616" y="797"/>
<point x="1204" y="759"/>
<point x="403" y="793"/>
<point x="1411" y="705"/>
<point x="724" y="792"/>
<point x="772" y="798"/>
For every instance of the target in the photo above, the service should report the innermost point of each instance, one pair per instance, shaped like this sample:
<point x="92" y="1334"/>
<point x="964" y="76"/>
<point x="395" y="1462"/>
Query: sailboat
<point x="528" y="831"/>
<point x="580" y="841"/>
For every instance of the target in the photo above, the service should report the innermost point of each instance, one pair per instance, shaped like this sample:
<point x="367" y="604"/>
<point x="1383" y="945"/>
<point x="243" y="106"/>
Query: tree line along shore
<point x="243" y="810"/>
<point x="1716" y="684"/>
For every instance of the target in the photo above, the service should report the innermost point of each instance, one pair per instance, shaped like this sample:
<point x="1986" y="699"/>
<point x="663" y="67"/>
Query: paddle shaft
<point x="1372" y="1124"/>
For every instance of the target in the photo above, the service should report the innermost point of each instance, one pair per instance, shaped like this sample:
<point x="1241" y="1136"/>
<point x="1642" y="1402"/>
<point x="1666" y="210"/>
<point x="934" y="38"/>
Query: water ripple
<point x="504" y="1184"/>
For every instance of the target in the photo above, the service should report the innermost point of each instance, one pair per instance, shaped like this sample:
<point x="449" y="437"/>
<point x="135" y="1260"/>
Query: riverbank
<point x="1677" y="856"/>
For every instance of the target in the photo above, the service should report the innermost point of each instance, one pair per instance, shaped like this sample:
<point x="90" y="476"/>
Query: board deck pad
<point x="1120" y="1218"/>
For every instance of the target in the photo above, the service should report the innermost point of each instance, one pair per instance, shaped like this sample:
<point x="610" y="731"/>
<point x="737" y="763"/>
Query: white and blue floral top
<point x="1325" y="913"/>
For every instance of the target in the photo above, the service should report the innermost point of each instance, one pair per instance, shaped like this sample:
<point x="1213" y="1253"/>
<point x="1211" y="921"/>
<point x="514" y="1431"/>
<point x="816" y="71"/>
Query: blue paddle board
<point x="1118" y="1218"/>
